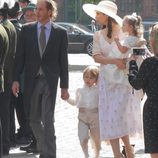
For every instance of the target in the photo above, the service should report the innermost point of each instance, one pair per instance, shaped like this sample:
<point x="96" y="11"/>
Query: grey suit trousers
<point x="42" y="118"/>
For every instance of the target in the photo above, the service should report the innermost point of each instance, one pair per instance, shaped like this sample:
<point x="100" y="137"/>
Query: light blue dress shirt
<point x="48" y="27"/>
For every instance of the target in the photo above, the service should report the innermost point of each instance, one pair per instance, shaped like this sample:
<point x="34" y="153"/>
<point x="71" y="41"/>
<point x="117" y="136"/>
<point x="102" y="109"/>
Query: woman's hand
<point x="133" y="57"/>
<point x="121" y="63"/>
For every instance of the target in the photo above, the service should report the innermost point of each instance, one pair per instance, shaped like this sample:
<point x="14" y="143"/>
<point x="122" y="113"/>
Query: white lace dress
<point x="119" y="109"/>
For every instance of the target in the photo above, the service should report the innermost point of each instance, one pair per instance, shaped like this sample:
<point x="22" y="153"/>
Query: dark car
<point x="80" y="38"/>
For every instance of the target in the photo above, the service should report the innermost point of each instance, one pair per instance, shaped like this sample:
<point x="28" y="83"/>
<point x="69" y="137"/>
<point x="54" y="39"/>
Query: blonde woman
<point x="146" y="78"/>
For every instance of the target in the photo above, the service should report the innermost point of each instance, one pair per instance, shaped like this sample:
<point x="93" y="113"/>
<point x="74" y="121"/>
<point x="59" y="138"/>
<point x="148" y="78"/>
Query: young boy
<point x="86" y="101"/>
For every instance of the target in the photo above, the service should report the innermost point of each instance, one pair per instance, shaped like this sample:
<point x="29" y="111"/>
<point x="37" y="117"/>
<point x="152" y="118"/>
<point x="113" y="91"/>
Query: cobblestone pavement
<point x="66" y="121"/>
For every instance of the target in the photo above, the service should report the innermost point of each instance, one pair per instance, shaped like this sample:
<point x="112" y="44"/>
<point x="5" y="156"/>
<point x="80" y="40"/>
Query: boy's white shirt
<point x="85" y="97"/>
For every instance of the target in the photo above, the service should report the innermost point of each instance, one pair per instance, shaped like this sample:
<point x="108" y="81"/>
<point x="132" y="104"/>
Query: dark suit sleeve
<point x="2" y="51"/>
<point x="2" y="54"/>
<point x="137" y="78"/>
<point x="4" y="45"/>
<point x="19" y="56"/>
<point x="63" y="61"/>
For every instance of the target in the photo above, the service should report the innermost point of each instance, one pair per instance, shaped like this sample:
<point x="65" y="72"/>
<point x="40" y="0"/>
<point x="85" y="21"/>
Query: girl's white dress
<point x="113" y="73"/>
<point x="119" y="108"/>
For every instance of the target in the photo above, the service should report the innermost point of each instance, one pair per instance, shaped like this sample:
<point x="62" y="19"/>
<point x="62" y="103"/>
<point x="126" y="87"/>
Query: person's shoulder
<point x="148" y="61"/>
<point x="7" y="24"/>
<point x="58" y="27"/>
<point x="153" y="59"/>
<point x="29" y="25"/>
<point x="100" y="31"/>
<point x="3" y="32"/>
<point x="1" y="27"/>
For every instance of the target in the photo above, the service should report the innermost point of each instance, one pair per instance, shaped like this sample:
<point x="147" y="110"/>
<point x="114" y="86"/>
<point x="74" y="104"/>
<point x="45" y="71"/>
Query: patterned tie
<point x="42" y="38"/>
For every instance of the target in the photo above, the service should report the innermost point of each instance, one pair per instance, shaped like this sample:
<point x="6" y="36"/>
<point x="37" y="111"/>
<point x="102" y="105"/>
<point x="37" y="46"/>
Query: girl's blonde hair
<point x="135" y="21"/>
<point x="92" y="71"/>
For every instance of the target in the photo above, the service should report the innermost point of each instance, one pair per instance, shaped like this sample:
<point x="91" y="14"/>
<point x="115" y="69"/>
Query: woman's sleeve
<point x="137" y="78"/>
<point x="96" y="46"/>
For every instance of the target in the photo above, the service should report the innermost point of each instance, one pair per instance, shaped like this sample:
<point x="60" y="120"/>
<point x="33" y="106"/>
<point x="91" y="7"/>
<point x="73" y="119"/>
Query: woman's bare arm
<point x="120" y="63"/>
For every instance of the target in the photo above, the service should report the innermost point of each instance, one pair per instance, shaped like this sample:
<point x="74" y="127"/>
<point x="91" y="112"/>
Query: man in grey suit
<point x="42" y="51"/>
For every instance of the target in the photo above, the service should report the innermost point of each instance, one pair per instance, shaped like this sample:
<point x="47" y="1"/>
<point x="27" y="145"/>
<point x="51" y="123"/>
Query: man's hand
<point x="15" y="88"/>
<point x="64" y="94"/>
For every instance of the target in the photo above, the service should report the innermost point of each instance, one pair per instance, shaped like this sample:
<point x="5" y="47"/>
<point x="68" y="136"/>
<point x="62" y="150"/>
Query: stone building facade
<point x="71" y="10"/>
<point x="148" y="9"/>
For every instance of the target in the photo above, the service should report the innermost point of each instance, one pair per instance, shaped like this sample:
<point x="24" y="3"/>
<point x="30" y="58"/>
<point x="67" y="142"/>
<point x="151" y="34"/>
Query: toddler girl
<point x="133" y="29"/>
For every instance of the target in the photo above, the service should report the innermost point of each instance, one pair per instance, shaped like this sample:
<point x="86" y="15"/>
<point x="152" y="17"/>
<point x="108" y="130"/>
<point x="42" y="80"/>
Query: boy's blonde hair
<point x="92" y="71"/>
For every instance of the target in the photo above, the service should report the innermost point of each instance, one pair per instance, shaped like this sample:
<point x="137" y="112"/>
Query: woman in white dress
<point x="119" y="109"/>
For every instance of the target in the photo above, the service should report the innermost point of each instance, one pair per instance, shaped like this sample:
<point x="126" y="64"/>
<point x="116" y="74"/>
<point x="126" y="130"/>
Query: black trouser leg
<point x="1" y="141"/>
<point x="5" y="118"/>
<point x="22" y="117"/>
<point x="12" y="119"/>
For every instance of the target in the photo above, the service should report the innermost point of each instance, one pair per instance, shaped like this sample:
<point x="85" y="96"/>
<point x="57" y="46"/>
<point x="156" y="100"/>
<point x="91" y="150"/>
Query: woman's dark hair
<point x="109" y="26"/>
